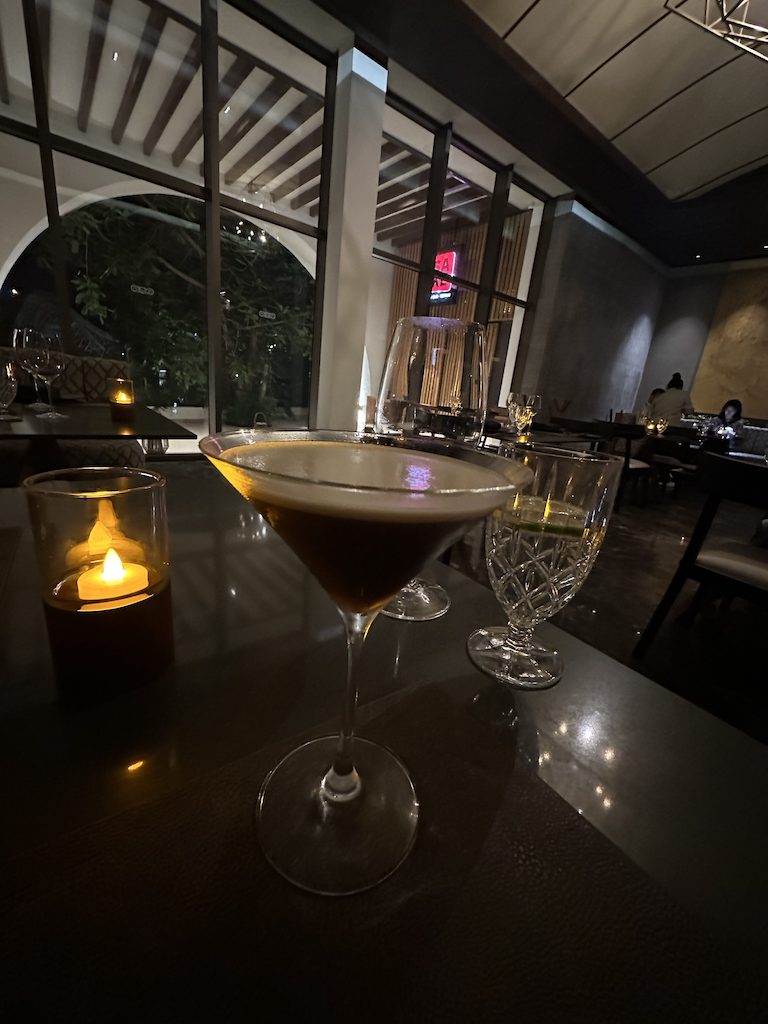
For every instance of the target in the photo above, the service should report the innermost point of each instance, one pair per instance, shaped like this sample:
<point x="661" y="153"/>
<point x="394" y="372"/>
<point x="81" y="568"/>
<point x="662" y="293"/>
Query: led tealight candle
<point x="113" y="579"/>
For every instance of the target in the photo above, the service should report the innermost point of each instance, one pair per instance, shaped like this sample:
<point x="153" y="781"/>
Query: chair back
<point x="732" y="479"/>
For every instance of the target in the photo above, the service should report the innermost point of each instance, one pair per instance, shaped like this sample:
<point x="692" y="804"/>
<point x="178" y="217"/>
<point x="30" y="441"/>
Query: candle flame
<point x="122" y="397"/>
<point x="135" y="766"/>
<point x="113" y="570"/>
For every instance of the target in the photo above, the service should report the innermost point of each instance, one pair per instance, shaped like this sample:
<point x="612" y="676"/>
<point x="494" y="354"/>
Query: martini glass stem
<point x="341" y="782"/>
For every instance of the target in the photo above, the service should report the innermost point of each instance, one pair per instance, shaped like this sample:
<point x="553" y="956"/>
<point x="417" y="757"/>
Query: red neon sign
<point x="445" y="265"/>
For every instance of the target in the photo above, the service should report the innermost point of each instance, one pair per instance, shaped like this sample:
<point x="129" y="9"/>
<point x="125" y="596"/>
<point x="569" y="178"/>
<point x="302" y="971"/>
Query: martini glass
<point x="434" y="384"/>
<point x="540" y="547"/>
<point x="364" y="512"/>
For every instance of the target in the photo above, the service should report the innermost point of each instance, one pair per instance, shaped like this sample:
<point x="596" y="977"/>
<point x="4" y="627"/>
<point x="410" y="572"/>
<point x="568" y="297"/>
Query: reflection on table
<point x="565" y="837"/>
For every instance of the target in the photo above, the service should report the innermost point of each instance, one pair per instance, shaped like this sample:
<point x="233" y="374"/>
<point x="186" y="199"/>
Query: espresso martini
<point x="364" y="518"/>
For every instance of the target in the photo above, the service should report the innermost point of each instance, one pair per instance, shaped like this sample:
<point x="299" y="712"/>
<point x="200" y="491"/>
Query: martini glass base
<point x="337" y="848"/>
<point x="418" y="601"/>
<point x="51" y="415"/>
<point x="533" y="667"/>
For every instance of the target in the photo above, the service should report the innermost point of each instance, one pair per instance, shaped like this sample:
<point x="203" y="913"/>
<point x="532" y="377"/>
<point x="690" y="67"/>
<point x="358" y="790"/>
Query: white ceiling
<point x="687" y="108"/>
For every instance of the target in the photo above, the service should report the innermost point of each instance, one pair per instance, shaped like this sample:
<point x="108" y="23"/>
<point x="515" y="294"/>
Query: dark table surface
<point x="94" y="422"/>
<point x="595" y="852"/>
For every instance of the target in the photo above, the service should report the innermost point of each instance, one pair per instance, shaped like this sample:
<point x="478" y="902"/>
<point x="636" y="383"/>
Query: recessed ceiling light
<point x="698" y="256"/>
<point x="115" y="55"/>
<point x="765" y="246"/>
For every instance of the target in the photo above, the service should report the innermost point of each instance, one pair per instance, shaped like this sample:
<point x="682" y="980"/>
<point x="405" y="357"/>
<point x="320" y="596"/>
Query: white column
<point x="358" y="121"/>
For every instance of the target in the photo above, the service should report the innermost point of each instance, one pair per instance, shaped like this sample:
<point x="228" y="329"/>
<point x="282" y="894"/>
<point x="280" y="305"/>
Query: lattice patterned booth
<point x="84" y="380"/>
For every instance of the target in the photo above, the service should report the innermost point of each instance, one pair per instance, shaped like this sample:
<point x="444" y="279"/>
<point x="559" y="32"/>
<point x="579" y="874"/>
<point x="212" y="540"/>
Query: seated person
<point x="728" y="423"/>
<point x="646" y="413"/>
<point x="673" y="403"/>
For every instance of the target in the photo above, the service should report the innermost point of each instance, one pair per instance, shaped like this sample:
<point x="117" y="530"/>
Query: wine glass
<point x="8" y="387"/>
<point x="434" y="384"/>
<point x="539" y="550"/>
<point x="523" y="407"/>
<point x="24" y="337"/>
<point x="364" y="512"/>
<point x="46" y="362"/>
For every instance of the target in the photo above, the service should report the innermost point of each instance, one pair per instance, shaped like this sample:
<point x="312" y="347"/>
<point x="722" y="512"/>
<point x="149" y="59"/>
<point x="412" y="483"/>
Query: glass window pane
<point x="504" y="325"/>
<point x="406" y="156"/>
<point x="15" y="81"/>
<point x="125" y="77"/>
<point x="518" y="245"/>
<point x="458" y="304"/>
<point x="271" y="98"/>
<point x="26" y="280"/>
<point x="268" y="299"/>
<point x="466" y="208"/>
<point x="136" y="271"/>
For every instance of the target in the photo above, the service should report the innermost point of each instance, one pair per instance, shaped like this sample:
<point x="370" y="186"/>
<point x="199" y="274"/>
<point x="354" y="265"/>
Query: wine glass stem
<point x="36" y="382"/>
<point x="518" y="637"/>
<point x="50" y="398"/>
<point x="342" y="782"/>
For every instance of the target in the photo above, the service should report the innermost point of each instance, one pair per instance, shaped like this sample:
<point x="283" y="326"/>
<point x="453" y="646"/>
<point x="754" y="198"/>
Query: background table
<point x="92" y="421"/>
<point x="592" y="853"/>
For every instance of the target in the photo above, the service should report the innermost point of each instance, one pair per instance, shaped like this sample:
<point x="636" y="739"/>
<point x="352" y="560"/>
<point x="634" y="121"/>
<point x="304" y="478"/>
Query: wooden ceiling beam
<point x="234" y="77"/>
<point x="308" y="173"/>
<point x="388" y="150"/>
<point x="258" y="109"/>
<point x="99" y="22"/>
<point x="150" y="37"/>
<point x="186" y="72"/>
<point x="289" y="159"/>
<point x="292" y="121"/>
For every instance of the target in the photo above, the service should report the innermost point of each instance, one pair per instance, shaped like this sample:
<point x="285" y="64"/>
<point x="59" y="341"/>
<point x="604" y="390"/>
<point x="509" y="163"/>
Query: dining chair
<point x="727" y="569"/>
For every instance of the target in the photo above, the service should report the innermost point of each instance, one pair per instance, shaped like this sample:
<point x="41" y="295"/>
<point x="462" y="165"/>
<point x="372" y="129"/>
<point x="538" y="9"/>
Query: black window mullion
<point x="209" y="27"/>
<point x="433" y="217"/>
<point x="322" y="236"/>
<point x="493" y="239"/>
<point x="40" y="100"/>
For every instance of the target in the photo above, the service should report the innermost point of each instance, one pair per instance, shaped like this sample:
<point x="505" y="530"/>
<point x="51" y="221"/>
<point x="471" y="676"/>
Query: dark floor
<point x="718" y="662"/>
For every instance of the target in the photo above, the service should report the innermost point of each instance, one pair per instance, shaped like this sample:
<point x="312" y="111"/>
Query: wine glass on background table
<point x="434" y="384"/>
<point x="523" y="407"/>
<point x="8" y="387"/>
<point x="45" y="360"/>
<point x="540" y="547"/>
<point x="364" y="513"/>
<point x="23" y="338"/>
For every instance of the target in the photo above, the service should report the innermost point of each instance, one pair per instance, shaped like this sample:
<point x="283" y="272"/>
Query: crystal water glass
<point x="540" y="547"/>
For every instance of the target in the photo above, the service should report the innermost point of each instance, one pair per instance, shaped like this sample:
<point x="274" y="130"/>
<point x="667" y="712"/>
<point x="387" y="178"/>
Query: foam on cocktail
<point x="367" y="481"/>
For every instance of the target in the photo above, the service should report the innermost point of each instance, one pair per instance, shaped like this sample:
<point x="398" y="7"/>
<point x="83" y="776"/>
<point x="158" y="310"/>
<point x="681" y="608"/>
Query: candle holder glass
<point x="101" y="538"/>
<point x="121" y="397"/>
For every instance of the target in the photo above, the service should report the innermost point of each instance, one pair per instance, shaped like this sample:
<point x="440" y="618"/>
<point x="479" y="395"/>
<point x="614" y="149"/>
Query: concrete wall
<point x="589" y="338"/>
<point x="682" y="326"/>
<point x="735" y="360"/>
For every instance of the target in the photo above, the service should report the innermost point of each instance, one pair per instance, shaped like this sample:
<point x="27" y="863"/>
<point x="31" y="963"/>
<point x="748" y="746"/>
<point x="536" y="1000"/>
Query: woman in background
<point x="673" y="403"/>
<point x="728" y="422"/>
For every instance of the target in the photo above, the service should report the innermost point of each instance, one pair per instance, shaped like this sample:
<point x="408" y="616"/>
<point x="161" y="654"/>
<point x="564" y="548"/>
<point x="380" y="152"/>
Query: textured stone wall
<point x="586" y="346"/>
<point x="734" y="363"/>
